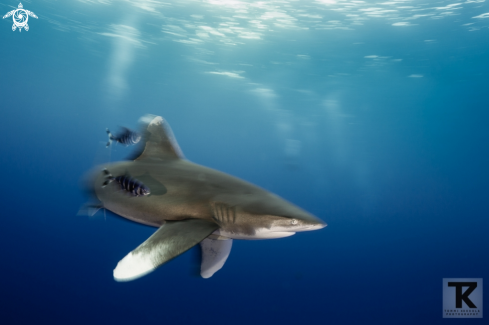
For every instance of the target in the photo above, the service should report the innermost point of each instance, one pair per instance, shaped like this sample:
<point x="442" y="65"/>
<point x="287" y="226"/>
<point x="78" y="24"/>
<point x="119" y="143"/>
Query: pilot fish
<point x="127" y="137"/>
<point x="127" y="183"/>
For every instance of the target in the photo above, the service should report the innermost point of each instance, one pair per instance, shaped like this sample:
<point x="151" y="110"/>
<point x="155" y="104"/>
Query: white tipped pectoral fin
<point x="133" y="266"/>
<point x="214" y="255"/>
<point x="169" y="241"/>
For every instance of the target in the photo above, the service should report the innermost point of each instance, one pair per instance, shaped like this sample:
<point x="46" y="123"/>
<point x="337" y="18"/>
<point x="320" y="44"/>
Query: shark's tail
<point x="110" y="138"/>
<point x="108" y="177"/>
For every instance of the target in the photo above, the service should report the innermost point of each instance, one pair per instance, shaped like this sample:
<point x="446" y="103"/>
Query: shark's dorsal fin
<point x="158" y="140"/>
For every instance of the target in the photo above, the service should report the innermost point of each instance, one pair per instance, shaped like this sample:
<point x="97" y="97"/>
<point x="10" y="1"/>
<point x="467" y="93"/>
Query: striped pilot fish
<point x="127" y="137"/>
<point x="127" y="183"/>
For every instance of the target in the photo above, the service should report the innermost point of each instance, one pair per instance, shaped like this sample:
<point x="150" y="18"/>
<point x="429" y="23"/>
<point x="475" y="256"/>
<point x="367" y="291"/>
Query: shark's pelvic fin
<point x="169" y="241"/>
<point x="214" y="255"/>
<point x="158" y="140"/>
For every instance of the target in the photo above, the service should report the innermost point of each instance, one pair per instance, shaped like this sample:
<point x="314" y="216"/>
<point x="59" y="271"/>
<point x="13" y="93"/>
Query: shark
<point x="190" y="205"/>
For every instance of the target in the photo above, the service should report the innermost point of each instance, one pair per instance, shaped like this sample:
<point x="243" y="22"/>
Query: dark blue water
<point x="372" y="116"/>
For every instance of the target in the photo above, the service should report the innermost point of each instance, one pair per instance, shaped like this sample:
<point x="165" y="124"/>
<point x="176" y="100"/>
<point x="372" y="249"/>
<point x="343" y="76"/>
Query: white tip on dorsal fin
<point x="214" y="255"/>
<point x="158" y="140"/>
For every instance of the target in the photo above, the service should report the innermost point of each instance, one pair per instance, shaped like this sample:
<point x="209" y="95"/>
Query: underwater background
<point x="372" y="115"/>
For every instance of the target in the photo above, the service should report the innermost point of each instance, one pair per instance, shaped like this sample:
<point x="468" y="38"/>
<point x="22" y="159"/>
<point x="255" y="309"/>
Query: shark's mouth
<point x="260" y="233"/>
<point x="311" y="227"/>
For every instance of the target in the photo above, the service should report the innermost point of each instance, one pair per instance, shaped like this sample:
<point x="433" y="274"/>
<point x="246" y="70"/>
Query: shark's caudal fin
<point x="169" y="241"/>
<point x="158" y="140"/>
<point x="214" y="255"/>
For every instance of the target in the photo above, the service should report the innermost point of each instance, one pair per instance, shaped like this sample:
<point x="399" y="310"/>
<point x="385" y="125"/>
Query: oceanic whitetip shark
<point x="189" y="204"/>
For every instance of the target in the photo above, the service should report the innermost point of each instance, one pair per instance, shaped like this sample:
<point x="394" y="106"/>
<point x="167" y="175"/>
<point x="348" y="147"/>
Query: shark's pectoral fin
<point x="214" y="255"/>
<point x="169" y="241"/>
<point x="158" y="140"/>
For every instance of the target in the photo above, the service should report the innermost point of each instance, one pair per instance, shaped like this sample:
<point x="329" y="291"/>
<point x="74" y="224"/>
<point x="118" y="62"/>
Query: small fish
<point x="127" y="137"/>
<point x="127" y="183"/>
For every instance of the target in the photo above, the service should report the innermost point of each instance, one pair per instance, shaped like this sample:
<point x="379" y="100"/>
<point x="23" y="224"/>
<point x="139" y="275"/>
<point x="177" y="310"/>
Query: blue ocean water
<point x="372" y="115"/>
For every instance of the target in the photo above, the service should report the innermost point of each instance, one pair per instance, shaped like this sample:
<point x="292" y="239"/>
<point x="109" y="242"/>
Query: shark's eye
<point x="293" y="221"/>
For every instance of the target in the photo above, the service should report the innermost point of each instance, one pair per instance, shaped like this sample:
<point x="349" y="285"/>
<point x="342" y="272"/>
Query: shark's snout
<point x="308" y="225"/>
<point x="306" y="221"/>
<point x="315" y="227"/>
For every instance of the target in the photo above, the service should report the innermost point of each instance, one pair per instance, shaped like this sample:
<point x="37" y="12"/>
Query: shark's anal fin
<point x="169" y="241"/>
<point x="214" y="255"/>
<point x="158" y="140"/>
